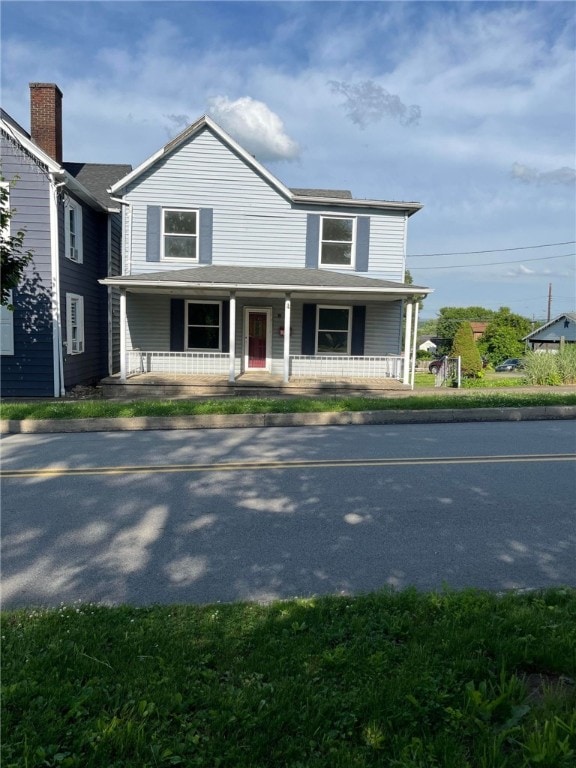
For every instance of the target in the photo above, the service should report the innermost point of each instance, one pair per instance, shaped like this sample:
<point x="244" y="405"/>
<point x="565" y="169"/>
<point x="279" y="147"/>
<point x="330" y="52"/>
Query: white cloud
<point x="368" y="102"/>
<point x="528" y="175"/>
<point x="255" y="126"/>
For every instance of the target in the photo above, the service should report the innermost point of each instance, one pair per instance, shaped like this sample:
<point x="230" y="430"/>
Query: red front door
<point x="257" y="339"/>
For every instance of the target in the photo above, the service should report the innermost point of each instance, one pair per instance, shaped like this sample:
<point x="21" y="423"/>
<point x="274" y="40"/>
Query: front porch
<point x="177" y="385"/>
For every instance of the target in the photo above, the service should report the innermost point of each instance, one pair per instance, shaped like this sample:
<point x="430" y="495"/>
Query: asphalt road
<point x="258" y="514"/>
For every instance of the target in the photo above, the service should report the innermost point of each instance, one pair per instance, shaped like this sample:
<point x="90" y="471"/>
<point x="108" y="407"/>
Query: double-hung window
<point x="6" y="315"/>
<point x="204" y="325"/>
<point x="74" y="323"/>
<point x="180" y="234"/>
<point x="337" y="241"/>
<point x="73" y="231"/>
<point x="333" y="330"/>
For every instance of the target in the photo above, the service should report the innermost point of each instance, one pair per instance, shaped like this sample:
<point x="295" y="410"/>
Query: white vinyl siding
<point x="74" y="323"/>
<point x="73" y="231"/>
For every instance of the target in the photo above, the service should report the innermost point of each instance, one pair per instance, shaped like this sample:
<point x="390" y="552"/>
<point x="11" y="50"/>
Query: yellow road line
<point x="49" y="472"/>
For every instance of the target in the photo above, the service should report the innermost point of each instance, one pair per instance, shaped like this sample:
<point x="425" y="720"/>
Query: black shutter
<point x="205" y="231"/>
<point x="312" y="241"/>
<point x="225" y="326"/>
<point x="362" y="243"/>
<point x="309" y="329"/>
<point x="176" y="325"/>
<point x="358" y="330"/>
<point x="153" y="229"/>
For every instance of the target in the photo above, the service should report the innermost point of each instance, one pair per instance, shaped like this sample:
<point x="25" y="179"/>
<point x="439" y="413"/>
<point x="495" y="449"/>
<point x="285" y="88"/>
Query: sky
<point x="466" y="107"/>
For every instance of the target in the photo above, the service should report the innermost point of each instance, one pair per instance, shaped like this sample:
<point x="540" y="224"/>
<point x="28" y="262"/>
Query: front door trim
<point x="268" y="312"/>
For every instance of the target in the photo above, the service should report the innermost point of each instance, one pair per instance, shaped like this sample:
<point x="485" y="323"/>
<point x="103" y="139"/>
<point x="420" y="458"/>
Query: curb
<point x="232" y="421"/>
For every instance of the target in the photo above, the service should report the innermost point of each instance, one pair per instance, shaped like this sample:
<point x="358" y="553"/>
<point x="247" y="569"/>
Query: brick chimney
<point x="46" y="118"/>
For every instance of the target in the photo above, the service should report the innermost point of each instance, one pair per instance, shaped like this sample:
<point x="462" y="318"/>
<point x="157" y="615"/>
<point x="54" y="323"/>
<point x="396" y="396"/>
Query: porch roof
<point x="267" y="279"/>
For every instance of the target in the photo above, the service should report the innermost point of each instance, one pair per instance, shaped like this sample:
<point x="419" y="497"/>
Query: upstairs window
<point x="203" y="325"/>
<point x="333" y="331"/>
<point x="180" y="234"/>
<point x="73" y="231"/>
<point x="75" y="323"/>
<point x="337" y="241"/>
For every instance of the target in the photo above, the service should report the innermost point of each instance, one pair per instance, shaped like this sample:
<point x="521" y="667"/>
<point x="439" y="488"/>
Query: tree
<point x="13" y="258"/>
<point x="503" y="336"/>
<point x="451" y="318"/>
<point x="465" y="348"/>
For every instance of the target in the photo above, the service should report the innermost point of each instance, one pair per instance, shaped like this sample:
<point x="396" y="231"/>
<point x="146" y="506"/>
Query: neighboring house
<point x="60" y="333"/>
<point x="478" y="329"/>
<point x="227" y="271"/>
<point x="550" y="336"/>
<point x="425" y="344"/>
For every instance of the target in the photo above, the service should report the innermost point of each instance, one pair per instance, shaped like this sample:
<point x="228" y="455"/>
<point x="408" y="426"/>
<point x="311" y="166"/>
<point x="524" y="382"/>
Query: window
<point x="203" y="324"/>
<point x="73" y="231"/>
<point x="75" y="323"/>
<point x="6" y="315"/>
<point x="337" y="241"/>
<point x="7" y="329"/>
<point x="180" y="234"/>
<point x="333" y="330"/>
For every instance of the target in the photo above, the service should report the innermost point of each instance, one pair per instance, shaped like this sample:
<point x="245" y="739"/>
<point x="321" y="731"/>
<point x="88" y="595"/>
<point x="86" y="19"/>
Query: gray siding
<point x="148" y="326"/>
<point x="30" y="371"/>
<point x="82" y="279"/>
<point x="253" y="224"/>
<point x="114" y="268"/>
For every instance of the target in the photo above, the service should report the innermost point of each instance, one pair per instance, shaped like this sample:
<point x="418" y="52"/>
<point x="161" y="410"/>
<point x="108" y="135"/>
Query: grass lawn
<point x="86" y="409"/>
<point x="406" y="680"/>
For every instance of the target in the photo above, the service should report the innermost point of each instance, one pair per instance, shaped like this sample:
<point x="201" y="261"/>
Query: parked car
<point x="435" y="365"/>
<point x="511" y="364"/>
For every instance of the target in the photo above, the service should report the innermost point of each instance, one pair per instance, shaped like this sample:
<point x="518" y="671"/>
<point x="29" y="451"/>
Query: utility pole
<point x="549" y="302"/>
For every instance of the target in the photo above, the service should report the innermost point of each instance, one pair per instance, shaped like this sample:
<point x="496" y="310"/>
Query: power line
<point x="496" y="250"/>
<point x="493" y="263"/>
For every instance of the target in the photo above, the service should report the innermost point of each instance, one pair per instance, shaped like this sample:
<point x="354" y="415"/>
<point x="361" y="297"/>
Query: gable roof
<point x="265" y="278"/>
<point x="298" y="195"/>
<point x="570" y="316"/>
<point x="97" y="177"/>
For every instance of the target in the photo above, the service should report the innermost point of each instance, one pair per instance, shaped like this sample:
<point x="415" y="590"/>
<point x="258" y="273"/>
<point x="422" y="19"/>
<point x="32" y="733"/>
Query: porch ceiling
<point x="255" y="281"/>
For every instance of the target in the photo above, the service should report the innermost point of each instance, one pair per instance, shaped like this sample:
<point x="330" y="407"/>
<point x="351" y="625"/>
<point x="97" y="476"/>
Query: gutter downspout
<point x="57" y="345"/>
<point x="126" y="235"/>
<point x="407" y="342"/>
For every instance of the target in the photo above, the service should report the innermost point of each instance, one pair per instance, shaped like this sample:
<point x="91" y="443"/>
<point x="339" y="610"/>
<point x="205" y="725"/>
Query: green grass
<point x="89" y="409"/>
<point x="406" y="680"/>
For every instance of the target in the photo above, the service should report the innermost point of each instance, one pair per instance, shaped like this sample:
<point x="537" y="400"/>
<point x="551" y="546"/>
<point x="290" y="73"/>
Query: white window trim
<point x="349" y="337"/>
<point x="70" y="299"/>
<point x="177" y="259"/>
<point x="7" y="329"/>
<point x="186" y="326"/>
<point x="78" y="256"/>
<point x="6" y="316"/>
<point x="325" y="265"/>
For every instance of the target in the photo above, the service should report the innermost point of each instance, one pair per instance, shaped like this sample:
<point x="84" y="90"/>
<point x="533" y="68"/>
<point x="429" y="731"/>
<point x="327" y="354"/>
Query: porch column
<point x="287" y="310"/>
<point x="407" y="339"/>
<point x="414" y="343"/>
<point x="232" y="337"/>
<point x="123" y="335"/>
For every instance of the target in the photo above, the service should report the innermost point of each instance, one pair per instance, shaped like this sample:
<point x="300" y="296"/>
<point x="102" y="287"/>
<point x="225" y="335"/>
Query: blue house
<point x="64" y="328"/>
<point x="227" y="272"/>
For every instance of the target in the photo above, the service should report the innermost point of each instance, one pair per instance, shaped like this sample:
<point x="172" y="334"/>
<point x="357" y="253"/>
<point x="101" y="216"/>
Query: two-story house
<point x="227" y="271"/>
<point x="64" y="329"/>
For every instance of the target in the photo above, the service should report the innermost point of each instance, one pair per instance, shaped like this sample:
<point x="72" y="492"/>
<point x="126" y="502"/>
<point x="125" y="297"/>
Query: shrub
<point x="550" y="368"/>
<point x="465" y="347"/>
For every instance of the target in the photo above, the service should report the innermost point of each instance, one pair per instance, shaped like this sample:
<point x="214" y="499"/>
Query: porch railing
<point x="199" y="363"/>
<point x="341" y="366"/>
